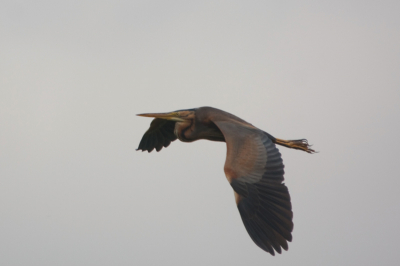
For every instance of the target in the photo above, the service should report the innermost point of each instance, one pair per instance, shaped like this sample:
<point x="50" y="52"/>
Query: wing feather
<point x="255" y="171"/>
<point x="159" y="135"/>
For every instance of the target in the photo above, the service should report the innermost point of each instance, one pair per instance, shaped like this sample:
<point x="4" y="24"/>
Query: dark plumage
<point x="253" y="167"/>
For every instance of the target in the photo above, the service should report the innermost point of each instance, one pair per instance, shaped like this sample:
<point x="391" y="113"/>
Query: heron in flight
<point x="253" y="167"/>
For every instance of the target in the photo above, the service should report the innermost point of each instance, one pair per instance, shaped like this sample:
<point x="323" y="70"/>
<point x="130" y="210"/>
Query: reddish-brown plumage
<point x="253" y="167"/>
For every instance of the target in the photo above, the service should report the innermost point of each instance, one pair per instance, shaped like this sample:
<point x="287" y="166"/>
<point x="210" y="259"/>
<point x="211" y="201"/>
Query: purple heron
<point x="253" y="167"/>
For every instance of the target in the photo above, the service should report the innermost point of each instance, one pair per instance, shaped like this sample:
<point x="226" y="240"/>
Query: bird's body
<point x="253" y="167"/>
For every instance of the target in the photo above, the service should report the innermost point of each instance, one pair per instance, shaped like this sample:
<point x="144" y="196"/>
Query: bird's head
<point x="177" y="116"/>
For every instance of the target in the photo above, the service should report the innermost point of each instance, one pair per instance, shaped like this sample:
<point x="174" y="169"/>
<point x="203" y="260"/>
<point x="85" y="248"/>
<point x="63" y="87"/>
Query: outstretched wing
<point x="160" y="134"/>
<point x="254" y="169"/>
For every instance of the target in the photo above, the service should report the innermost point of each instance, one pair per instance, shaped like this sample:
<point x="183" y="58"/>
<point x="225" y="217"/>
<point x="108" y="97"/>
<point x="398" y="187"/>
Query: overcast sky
<point x="74" y="74"/>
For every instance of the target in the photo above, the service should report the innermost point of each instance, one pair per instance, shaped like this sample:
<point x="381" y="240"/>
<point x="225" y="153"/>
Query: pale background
<point x="73" y="74"/>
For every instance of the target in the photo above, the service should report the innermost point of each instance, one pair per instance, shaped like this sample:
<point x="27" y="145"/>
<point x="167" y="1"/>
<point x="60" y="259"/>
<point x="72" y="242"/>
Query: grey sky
<point x="73" y="74"/>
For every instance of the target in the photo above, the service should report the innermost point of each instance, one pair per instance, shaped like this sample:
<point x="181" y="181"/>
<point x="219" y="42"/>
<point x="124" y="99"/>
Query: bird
<point x="253" y="167"/>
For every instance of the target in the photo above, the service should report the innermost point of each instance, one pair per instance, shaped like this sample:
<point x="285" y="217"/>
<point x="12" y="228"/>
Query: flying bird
<point x="253" y="167"/>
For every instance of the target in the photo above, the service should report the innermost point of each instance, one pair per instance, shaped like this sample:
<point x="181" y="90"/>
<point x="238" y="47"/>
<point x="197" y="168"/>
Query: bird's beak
<point x="174" y="116"/>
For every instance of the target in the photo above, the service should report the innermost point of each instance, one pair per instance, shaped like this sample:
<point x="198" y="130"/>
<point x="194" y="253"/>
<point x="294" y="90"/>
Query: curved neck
<point x="184" y="130"/>
<point x="192" y="130"/>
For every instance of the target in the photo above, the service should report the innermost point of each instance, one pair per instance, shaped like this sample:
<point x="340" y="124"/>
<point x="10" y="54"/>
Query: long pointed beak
<point x="174" y="116"/>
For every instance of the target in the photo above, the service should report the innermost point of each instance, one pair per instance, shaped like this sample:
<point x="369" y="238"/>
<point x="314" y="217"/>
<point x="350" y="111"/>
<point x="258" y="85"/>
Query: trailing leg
<point x="298" y="144"/>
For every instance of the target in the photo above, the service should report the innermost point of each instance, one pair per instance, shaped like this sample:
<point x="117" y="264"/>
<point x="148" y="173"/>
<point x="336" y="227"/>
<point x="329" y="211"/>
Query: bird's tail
<point x="298" y="144"/>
